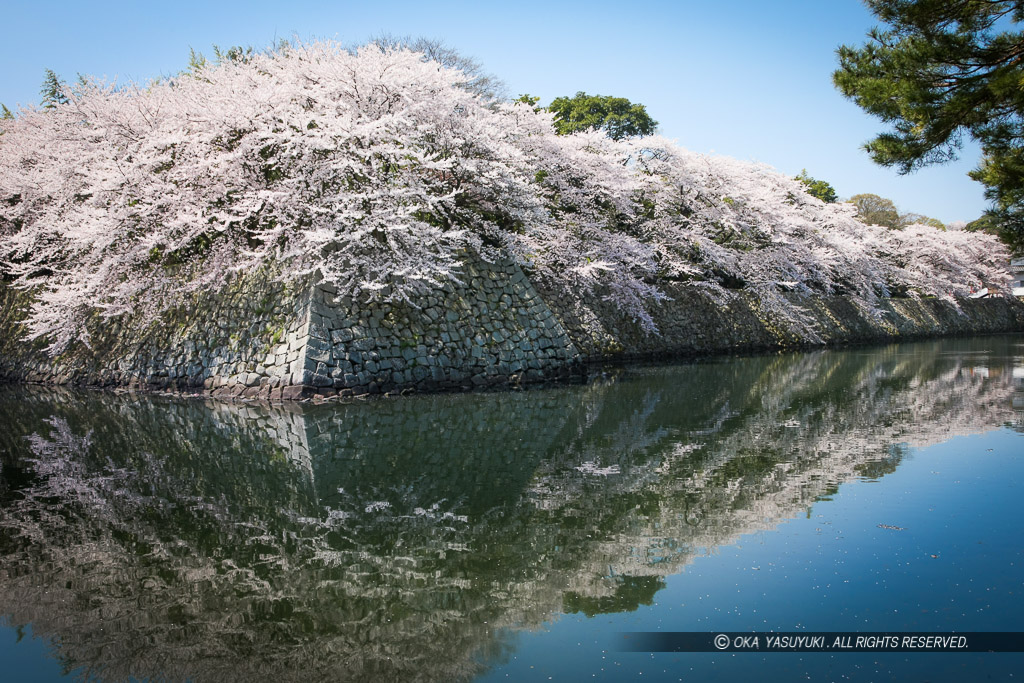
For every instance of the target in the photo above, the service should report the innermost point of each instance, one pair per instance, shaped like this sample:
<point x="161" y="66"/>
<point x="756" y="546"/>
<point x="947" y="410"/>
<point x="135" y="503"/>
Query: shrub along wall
<point x="261" y="338"/>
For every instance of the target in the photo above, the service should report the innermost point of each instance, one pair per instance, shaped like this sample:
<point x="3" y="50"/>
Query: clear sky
<point x="746" y="78"/>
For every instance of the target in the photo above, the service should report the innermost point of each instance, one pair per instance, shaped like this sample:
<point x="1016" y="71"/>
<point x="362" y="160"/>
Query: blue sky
<point x="746" y="78"/>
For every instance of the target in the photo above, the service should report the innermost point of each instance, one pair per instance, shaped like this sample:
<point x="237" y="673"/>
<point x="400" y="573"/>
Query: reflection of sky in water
<point x="434" y="536"/>
<point x="953" y="561"/>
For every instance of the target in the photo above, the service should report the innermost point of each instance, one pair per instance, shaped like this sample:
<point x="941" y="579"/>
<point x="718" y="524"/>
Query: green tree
<point x="527" y="99"/>
<point x="875" y="210"/>
<point x="942" y="70"/>
<point x="235" y="53"/>
<point x="52" y="91"/>
<point x="616" y="116"/>
<point x="5" y="113"/>
<point x="984" y="224"/>
<point x="196" y="62"/>
<point x="818" y="188"/>
<point x="911" y="218"/>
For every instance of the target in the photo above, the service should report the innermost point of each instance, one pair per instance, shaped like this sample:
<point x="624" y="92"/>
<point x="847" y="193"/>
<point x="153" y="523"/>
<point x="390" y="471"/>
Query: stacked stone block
<point x="259" y="337"/>
<point x="695" y="321"/>
<point x="488" y="328"/>
<point x="262" y="338"/>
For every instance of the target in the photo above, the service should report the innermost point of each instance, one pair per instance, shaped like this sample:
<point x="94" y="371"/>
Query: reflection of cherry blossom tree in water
<point x="147" y="555"/>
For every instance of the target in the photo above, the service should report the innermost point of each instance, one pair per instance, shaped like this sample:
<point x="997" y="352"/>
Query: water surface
<point x="514" y="536"/>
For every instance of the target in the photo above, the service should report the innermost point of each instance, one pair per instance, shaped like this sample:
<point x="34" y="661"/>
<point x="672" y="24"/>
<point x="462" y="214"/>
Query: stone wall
<point x="246" y="336"/>
<point x="694" y="321"/>
<point x="489" y="328"/>
<point x="260" y="337"/>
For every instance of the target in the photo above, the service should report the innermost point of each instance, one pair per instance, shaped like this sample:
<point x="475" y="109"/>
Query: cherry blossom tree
<point x="378" y="171"/>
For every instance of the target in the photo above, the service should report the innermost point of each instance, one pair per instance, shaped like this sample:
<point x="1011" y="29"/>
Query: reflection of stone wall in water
<point x="259" y="337"/>
<point x="394" y="541"/>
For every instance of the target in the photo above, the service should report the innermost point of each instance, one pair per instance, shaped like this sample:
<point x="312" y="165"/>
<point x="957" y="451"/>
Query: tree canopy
<point x="911" y="218"/>
<point x="478" y="81"/>
<point x="942" y="70"/>
<point x="52" y="91"/>
<point x="817" y="188"/>
<point x="379" y="172"/>
<point x="875" y="210"/>
<point x="616" y="116"/>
